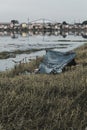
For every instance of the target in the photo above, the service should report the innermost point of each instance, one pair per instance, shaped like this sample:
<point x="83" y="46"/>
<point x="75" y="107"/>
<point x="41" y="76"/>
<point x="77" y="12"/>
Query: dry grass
<point x="45" y="102"/>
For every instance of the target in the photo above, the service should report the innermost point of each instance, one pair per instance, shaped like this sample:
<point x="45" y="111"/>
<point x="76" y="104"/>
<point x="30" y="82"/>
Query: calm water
<point x="35" y="45"/>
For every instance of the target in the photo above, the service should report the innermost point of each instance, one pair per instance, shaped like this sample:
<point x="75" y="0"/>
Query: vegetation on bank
<point x="45" y="102"/>
<point x="6" y="55"/>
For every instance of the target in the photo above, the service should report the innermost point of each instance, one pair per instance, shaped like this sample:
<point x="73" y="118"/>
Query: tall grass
<point x="45" y="102"/>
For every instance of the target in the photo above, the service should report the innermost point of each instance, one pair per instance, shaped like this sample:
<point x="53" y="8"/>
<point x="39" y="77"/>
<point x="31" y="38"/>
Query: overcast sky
<point x="55" y="10"/>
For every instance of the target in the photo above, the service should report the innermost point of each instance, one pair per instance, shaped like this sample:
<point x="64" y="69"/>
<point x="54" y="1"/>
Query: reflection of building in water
<point x="4" y="33"/>
<point x="77" y="33"/>
<point x="13" y="35"/>
<point x="47" y="33"/>
<point x="30" y="33"/>
<point x="1" y="34"/>
<point x="64" y="34"/>
<point x="24" y="34"/>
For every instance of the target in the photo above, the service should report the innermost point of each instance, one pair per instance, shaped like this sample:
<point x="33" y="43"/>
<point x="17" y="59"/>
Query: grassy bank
<point x="45" y="102"/>
<point x="7" y="54"/>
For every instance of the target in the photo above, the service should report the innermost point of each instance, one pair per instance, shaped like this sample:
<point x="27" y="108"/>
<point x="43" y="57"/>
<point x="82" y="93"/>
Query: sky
<point x="56" y="10"/>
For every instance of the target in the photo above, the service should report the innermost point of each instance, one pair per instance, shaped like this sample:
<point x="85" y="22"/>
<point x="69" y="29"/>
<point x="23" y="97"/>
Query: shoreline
<point x="10" y="59"/>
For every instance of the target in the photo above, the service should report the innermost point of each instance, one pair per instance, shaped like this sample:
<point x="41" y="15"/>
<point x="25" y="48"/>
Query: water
<point x="35" y="45"/>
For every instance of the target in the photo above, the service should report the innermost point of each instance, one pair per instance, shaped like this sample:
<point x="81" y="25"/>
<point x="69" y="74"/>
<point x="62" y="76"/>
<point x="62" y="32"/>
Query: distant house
<point x="14" y="24"/>
<point x="38" y="25"/>
<point x="64" y="26"/>
<point x="71" y="26"/>
<point x="57" y="26"/>
<point x="78" y="26"/>
<point x="24" y="26"/>
<point x="1" y="26"/>
<point x="4" y="26"/>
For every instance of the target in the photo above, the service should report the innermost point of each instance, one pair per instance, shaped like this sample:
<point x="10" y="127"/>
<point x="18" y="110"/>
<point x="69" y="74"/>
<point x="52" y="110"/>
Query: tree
<point x="84" y="23"/>
<point x="15" y="22"/>
<point x="64" y="23"/>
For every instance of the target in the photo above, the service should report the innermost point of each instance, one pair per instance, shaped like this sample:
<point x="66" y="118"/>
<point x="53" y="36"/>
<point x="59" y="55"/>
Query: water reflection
<point x="64" y="34"/>
<point x="13" y="35"/>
